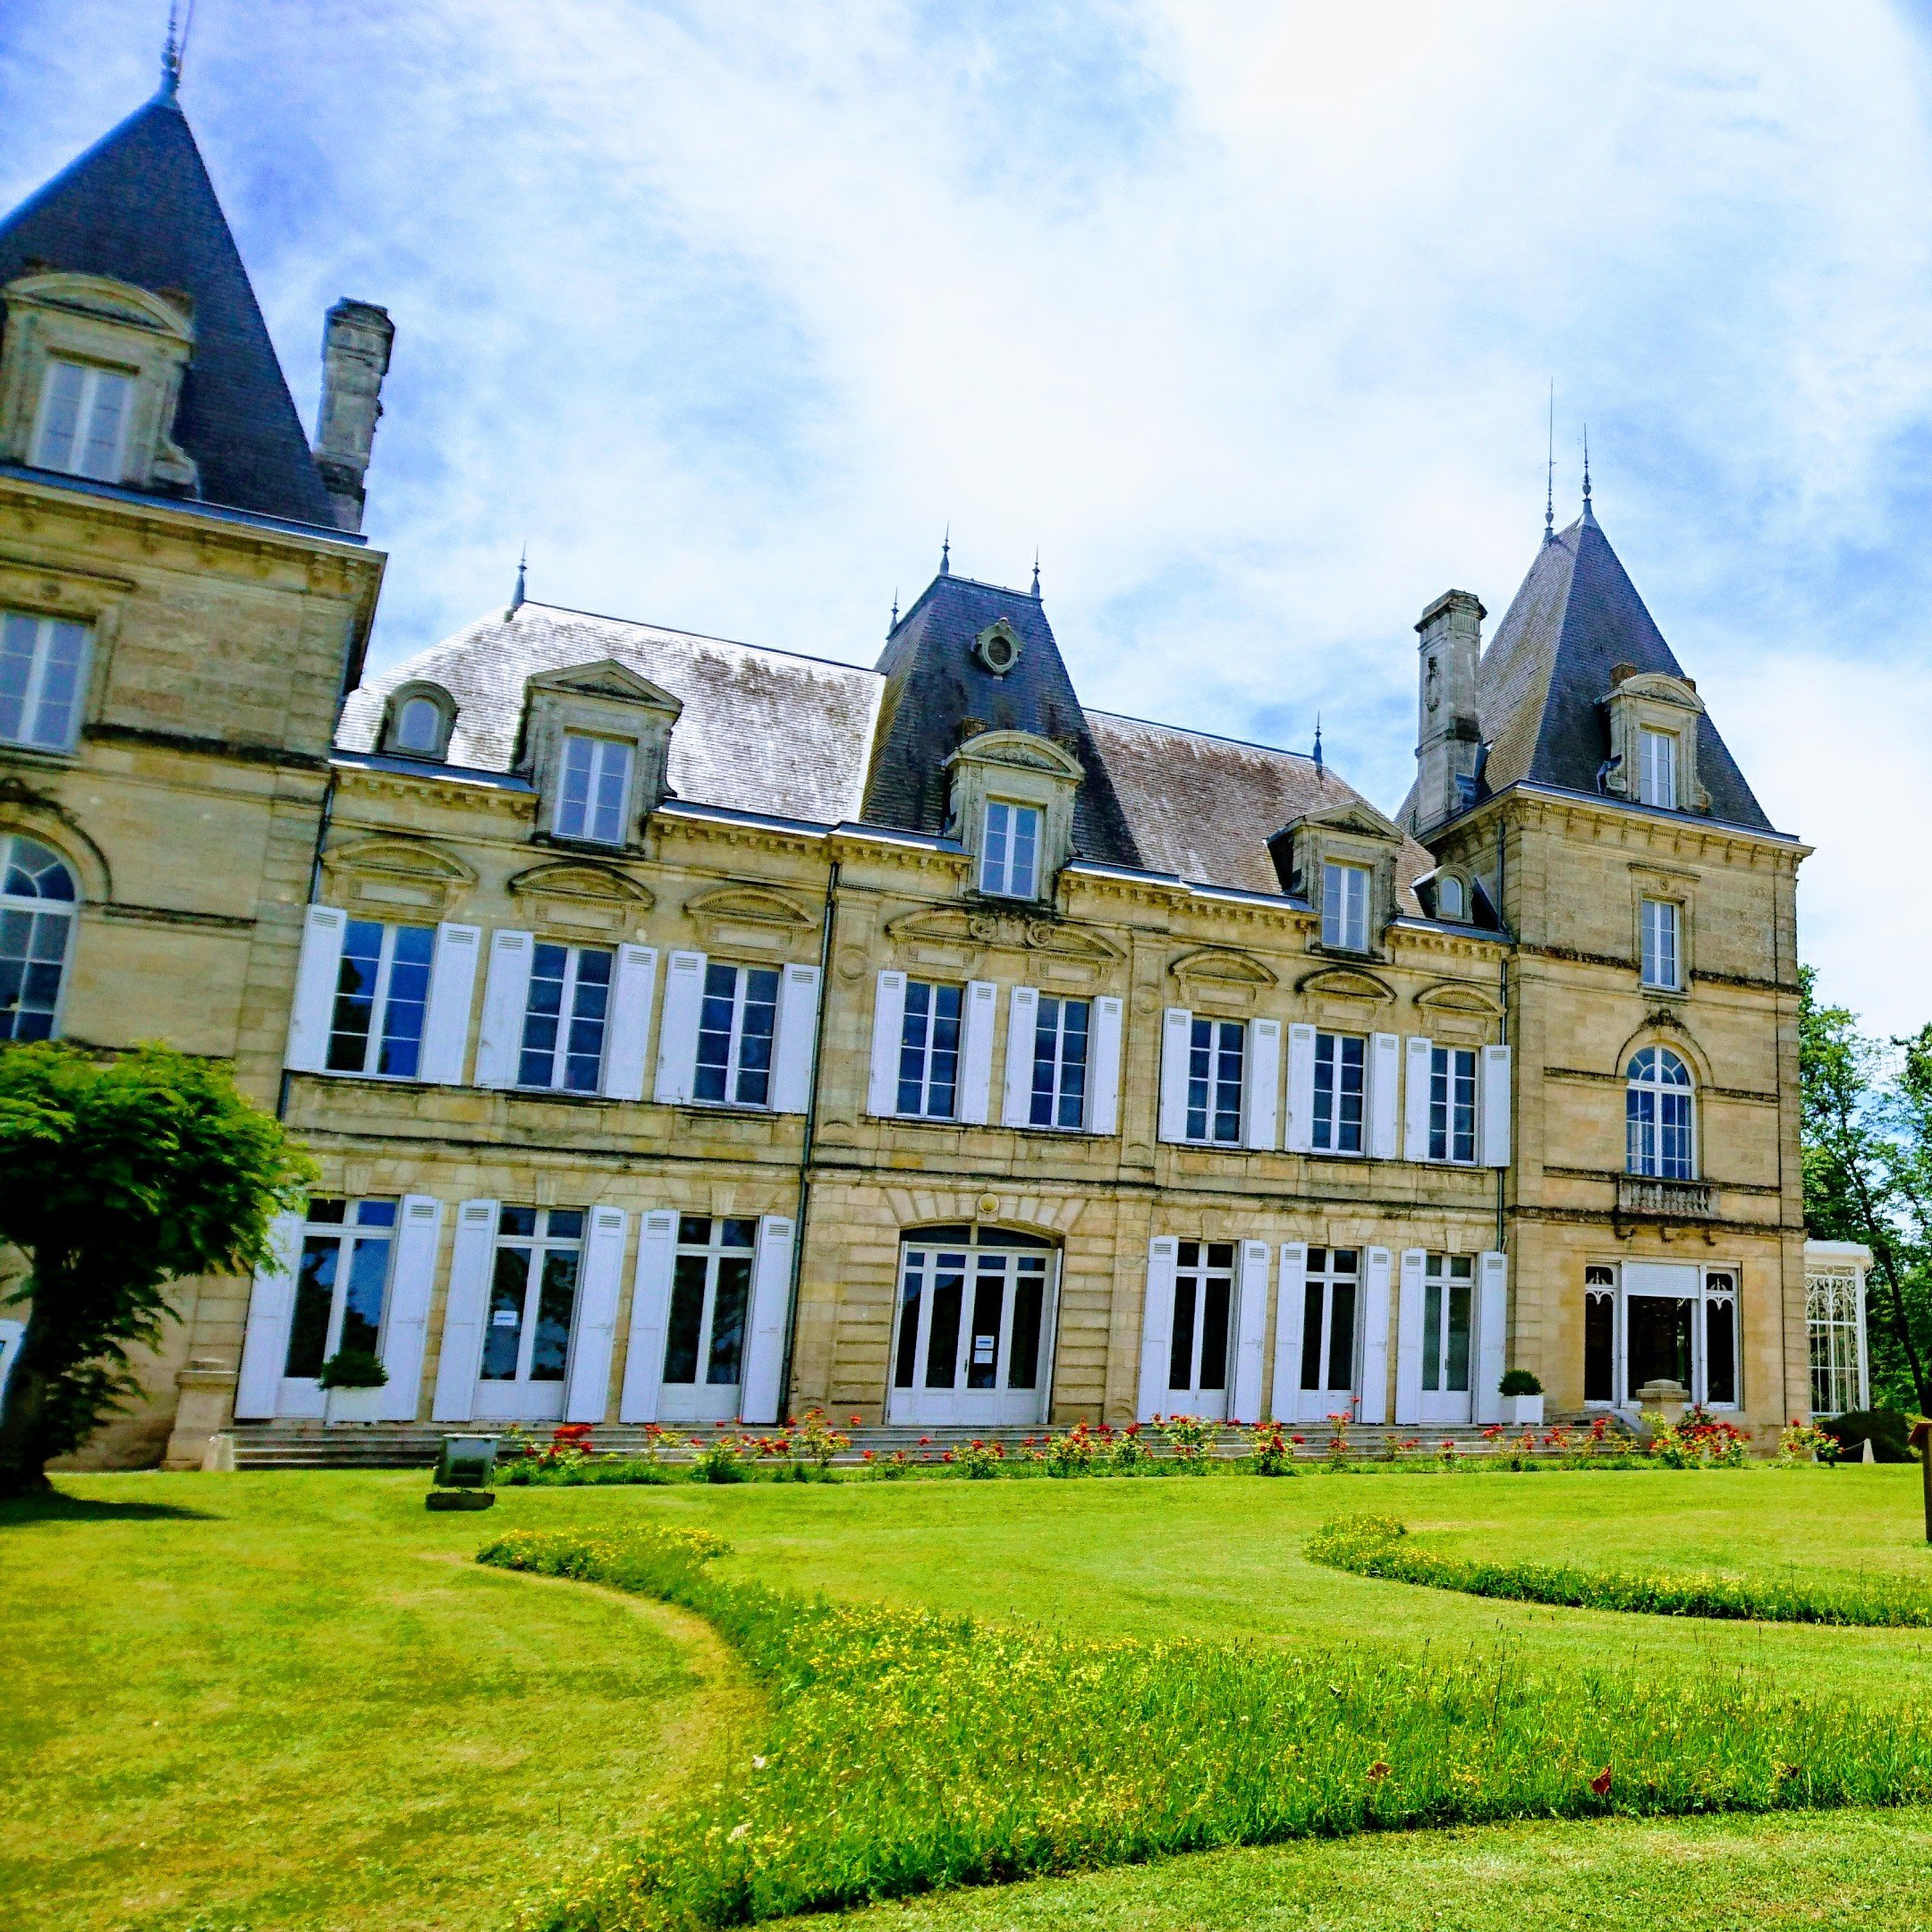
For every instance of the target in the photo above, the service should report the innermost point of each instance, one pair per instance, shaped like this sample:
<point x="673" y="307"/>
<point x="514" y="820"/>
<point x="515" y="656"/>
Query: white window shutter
<point x="677" y="1031"/>
<point x="651" y="1311"/>
<point x="1177" y="1037"/>
<point x="314" y="1002"/>
<point x="1290" y="1297"/>
<point x="1373" y="1408"/>
<point x="506" y="995"/>
<point x="1156" y="1326"/>
<point x="1415" y="1120"/>
<point x="1495" y="1106"/>
<point x="271" y="1304"/>
<point x="1409" y="1340"/>
<point x="1492" y="1333"/>
<point x="1261" y="1079"/>
<point x="1250" y="1334"/>
<point x="976" y="1052"/>
<point x="412" y="1277"/>
<point x="1103" y="1110"/>
<point x="1022" y="1016"/>
<point x="451" y="992"/>
<point x="471" y="1260"/>
<point x="633" y="993"/>
<point x="599" y="1288"/>
<point x="797" y="1040"/>
<point x="759" y="1395"/>
<point x="888" y="1032"/>
<point x="1300" y="1137"/>
<point x="1384" y="1094"/>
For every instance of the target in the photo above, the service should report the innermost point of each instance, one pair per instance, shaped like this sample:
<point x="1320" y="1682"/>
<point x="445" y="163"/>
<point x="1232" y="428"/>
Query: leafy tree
<point x="118" y="1178"/>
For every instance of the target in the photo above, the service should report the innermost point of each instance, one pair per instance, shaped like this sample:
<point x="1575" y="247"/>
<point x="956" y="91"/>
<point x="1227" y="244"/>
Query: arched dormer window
<point x="38" y="899"/>
<point x="419" y="725"/>
<point x="418" y="720"/>
<point x="1659" y="1117"/>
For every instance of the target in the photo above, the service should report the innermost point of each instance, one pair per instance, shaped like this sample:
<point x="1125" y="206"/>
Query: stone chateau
<point x="688" y="1030"/>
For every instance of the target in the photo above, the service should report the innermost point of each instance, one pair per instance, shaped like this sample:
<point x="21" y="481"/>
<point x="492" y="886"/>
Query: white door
<point x="974" y="1324"/>
<point x="705" y="1329"/>
<point x="532" y="1310"/>
<point x="1197" y="1361"/>
<point x="1448" y="1320"/>
<point x="1330" y="1356"/>
<point x="342" y="1284"/>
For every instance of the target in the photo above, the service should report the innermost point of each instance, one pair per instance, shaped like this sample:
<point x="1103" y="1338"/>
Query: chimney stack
<point x="1448" y="736"/>
<point x="355" y="358"/>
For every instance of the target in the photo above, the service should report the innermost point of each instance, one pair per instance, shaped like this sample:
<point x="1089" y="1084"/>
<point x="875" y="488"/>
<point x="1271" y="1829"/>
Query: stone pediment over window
<point x="740" y="916"/>
<point x="1338" y="982"/>
<point x="389" y="877"/>
<point x="1219" y="978"/>
<point x="586" y="897"/>
<point x="1455" y="995"/>
<point x="608" y="679"/>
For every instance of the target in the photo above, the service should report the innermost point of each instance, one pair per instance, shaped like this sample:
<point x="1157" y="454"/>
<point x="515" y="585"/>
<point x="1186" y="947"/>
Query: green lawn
<point x="284" y="1701"/>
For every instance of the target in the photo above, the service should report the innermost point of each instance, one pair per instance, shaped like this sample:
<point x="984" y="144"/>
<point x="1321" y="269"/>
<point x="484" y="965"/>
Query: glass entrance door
<point x="1328" y="1370"/>
<point x="1448" y="1298"/>
<point x="704" y="1338"/>
<point x="341" y="1284"/>
<point x="533" y="1304"/>
<point x="1198" y="1351"/>
<point x="972" y="1340"/>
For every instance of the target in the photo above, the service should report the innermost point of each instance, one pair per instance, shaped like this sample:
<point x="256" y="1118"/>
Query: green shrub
<point x="1888" y="1431"/>
<point x="535" y="1472"/>
<point x="1519" y="1382"/>
<point x="352" y="1368"/>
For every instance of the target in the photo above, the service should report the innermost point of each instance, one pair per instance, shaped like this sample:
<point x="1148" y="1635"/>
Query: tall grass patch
<point x="909" y="1751"/>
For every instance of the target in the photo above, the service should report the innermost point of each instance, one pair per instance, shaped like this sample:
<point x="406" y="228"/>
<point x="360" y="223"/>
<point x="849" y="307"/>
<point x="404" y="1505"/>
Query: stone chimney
<point x="1447" y="734"/>
<point x="355" y="358"/>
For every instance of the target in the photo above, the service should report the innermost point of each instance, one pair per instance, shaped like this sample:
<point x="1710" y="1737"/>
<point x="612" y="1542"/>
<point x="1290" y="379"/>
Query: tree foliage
<point x="119" y="1177"/>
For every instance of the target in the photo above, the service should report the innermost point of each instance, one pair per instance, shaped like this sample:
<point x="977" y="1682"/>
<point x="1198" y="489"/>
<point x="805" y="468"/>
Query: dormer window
<point x="596" y="742"/>
<point x="1656" y="767"/>
<point x="1452" y="902"/>
<point x="1009" y="862"/>
<point x="1345" y="907"/>
<point x="82" y="423"/>
<point x="597" y="780"/>
<point x="419" y="725"/>
<point x="418" y="720"/>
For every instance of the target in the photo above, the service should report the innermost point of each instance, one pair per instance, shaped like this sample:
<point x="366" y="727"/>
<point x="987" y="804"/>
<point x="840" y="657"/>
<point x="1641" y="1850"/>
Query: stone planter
<point x="354" y="1405"/>
<point x="1523" y="1412"/>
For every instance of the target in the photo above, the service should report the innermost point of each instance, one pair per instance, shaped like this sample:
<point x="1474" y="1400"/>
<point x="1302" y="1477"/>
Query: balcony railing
<point x="1665" y="1200"/>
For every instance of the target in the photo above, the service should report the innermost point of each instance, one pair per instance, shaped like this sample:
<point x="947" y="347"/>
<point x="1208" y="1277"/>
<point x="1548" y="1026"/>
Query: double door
<point x="1199" y="1354"/>
<point x="1448" y="1329"/>
<point x="973" y="1339"/>
<point x="1330" y="1335"/>
<point x="532" y="1309"/>
<point x="705" y="1325"/>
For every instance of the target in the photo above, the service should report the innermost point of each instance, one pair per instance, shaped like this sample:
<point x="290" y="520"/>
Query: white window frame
<point x="1050" y="1036"/>
<point x="36" y="910"/>
<point x="345" y="1234"/>
<point x="1329" y="1053"/>
<point x="1000" y="870"/>
<point x="1346" y="889"/>
<point x="1214" y="1081"/>
<point x="921" y="1052"/>
<point x="1834" y="1328"/>
<point x="93" y="380"/>
<point x="735" y="1071"/>
<point x="593" y="817"/>
<point x="1653" y="1084"/>
<point x="1199" y="1273"/>
<point x="1445" y="1074"/>
<point x="44" y="634"/>
<point x="537" y="1247"/>
<point x="378" y="1027"/>
<point x="1657" y="752"/>
<point x="566" y="1017"/>
<point x="1660" y="941"/>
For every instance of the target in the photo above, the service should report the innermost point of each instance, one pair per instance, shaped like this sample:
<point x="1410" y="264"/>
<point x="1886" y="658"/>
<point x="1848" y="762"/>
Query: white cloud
<point x="1243" y="311"/>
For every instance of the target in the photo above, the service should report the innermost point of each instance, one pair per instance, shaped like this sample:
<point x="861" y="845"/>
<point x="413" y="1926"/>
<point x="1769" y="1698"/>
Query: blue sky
<point x="1245" y="314"/>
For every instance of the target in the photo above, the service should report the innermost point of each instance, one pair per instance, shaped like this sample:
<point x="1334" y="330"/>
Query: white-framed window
<point x="1344" y="916"/>
<point x="1451" y="1115"/>
<point x="1198" y="1345"/>
<point x="382" y="991"/>
<point x="1656" y="767"/>
<point x="82" y="426"/>
<point x="1720" y="1338"/>
<point x="1329" y="1291"/>
<point x="736" y="1025"/>
<point x="43" y="669"/>
<point x="565" y="1017"/>
<point x="1599" y="1333"/>
<point x="710" y="1296"/>
<point x="929" y="1050"/>
<point x="594" y="784"/>
<point x="1060" y="1030"/>
<point x="342" y="1283"/>
<point x="1660" y="948"/>
<point x="419" y="725"/>
<point x="38" y="903"/>
<point x="1835" y="1315"/>
<point x="1452" y="900"/>
<point x="1448" y="1323"/>
<point x="1341" y="1084"/>
<point x="533" y="1294"/>
<point x="1216" y="1051"/>
<point x="1659" y="1117"/>
<point x="1009" y="863"/>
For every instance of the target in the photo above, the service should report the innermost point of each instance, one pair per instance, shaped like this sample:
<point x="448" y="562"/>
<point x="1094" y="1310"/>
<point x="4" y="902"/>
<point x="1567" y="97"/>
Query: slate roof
<point x="139" y="206"/>
<point x="934" y="683"/>
<point x="1541" y="682"/>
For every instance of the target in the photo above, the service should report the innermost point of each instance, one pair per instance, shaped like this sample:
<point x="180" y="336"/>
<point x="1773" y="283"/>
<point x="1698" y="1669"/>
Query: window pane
<point x="1215" y="1332"/>
<point x="1074" y="1015"/>
<point x="1599" y="1347"/>
<point x="993" y="867"/>
<point x="20" y="638"/>
<point x="509" y="1286"/>
<point x="1342" y="1338"/>
<point x="60" y="416"/>
<point x="583" y="1062"/>
<point x="554" y="1302"/>
<point x="613" y="783"/>
<point x="362" y="1300"/>
<point x="1313" y="1297"/>
<point x="56" y="707"/>
<point x="543" y="1016"/>
<point x="1025" y="851"/>
<point x="1720" y="1352"/>
<point x="1030" y="1306"/>
<point x="1456" y="1375"/>
<point x="100" y="452"/>
<point x="942" y="1351"/>
<point x="419" y="725"/>
<point x="1432" y="1335"/>
<point x="1659" y="1328"/>
<point x="983" y="1339"/>
<point x="355" y="997"/>
<point x="574" y="795"/>
<point x="909" y="1319"/>
<point x="715" y="1030"/>
<point x="755" y="1036"/>
<point x="412" y="951"/>
<point x="1228" y="1050"/>
<point x="728" y="1321"/>
<point x="1200" y="1073"/>
<point x="686" y="1321"/>
<point x="315" y="1298"/>
<point x="1181" y="1348"/>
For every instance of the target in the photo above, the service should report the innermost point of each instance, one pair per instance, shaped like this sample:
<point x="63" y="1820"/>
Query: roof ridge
<point x="1191" y="731"/>
<point x="700" y="637"/>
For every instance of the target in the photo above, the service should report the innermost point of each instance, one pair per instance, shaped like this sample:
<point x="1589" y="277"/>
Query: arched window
<point x="36" y="916"/>
<point x="419" y="725"/>
<point x="418" y="721"/>
<point x="1660" y="1137"/>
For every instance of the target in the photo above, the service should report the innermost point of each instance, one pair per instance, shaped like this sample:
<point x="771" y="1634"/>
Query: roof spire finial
<point x="1589" y="515"/>
<point x="1549" y="475"/>
<point x="1318" y="770"/>
<point x="945" y="552"/>
<point x="1035" y="573"/>
<point x="516" y="602"/>
<point x="895" y="625"/>
<point x="174" y="49"/>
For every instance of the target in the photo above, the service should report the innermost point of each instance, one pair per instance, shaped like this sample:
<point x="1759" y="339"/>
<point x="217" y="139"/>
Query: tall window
<point x="563" y="1020"/>
<point x="382" y="988"/>
<point x="1448" y="1293"/>
<point x="1658" y="1140"/>
<point x="533" y="1294"/>
<point x="1010" y="862"/>
<point x="1216" y="1050"/>
<point x="1060" y="1063"/>
<point x="83" y="420"/>
<point x="43" y="661"/>
<point x="1834" y="1318"/>
<point x="1204" y="1295"/>
<point x="711" y="1292"/>
<point x="1339" y="1083"/>
<point x="929" y="1050"/>
<point x="1328" y="1319"/>
<point x="1451" y="1115"/>
<point x="1660" y="918"/>
<point x="37" y="919"/>
<point x="339" y="1282"/>
<point x="1720" y="1338"/>
<point x="1344" y="915"/>
<point x="595" y="783"/>
<point x="1599" y="1333"/>
<point x="735" y="1029"/>
<point x="1656" y="767"/>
